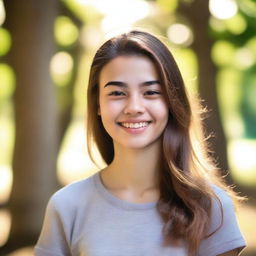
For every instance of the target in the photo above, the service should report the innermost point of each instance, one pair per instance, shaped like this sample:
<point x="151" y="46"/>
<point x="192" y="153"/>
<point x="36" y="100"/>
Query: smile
<point x="134" y="125"/>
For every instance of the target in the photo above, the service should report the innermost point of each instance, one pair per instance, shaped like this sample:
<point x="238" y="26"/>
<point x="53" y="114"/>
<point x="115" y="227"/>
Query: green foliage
<point x="236" y="25"/>
<point x="86" y="13"/>
<point x="187" y="63"/>
<point x="223" y="53"/>
<point x="6" y="133"/>
<point x="5" y="41"/>
<point x="229" y="94"/>
<point x="251" y="44"/>
<point x="235" y="57"/>
<point x="167" y="5"/>
<point x="248" y="102"/>
<point x="248" y="7"/>
<point x="7" y="81"/>
<point x="66" y="32"/>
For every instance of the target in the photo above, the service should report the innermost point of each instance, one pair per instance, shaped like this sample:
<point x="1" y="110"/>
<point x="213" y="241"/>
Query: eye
<point x="116" y="93"/>
<point x="151" y="92"/>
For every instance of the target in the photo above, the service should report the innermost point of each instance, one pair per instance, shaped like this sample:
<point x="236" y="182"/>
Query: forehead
<point x="129" y="69"/>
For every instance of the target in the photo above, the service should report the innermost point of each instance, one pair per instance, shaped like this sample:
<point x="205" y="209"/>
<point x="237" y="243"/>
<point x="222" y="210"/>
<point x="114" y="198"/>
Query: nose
<point x="134" y="105"/>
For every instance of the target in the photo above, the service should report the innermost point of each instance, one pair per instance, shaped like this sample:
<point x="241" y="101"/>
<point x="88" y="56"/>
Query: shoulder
<point x="65" y="214"/>
<point x="222" y="208"/>
<point x="74" y="194"/>
<point x="219" y="192"/>
<point x="222" y="202"/>
<point x="223" y="233"/>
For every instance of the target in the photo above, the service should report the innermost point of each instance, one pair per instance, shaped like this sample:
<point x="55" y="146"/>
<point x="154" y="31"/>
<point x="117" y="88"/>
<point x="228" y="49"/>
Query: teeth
<point x="135" y="125"/>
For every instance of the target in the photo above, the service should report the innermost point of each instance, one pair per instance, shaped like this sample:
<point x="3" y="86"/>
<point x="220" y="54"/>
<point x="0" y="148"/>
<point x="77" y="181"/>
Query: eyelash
<point x="116" y="93"/>
<point x="120" y="93"/>
<point x="151" y="92"/>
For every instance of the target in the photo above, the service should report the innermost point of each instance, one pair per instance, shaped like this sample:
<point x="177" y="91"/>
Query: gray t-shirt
<point x="85" y="219"/>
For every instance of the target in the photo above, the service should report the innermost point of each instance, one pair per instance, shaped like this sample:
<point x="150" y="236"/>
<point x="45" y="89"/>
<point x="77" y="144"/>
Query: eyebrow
<point x="123" y="84"/>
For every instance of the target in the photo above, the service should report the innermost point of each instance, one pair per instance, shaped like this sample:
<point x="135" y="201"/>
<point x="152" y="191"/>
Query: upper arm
<point x="230" y="253"/>
<point x="53" y="239"/>
<point x="227" y="238"/>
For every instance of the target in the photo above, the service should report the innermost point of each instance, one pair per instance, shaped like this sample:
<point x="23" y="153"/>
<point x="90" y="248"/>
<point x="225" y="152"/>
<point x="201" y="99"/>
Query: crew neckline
<point x="118" y="202"/>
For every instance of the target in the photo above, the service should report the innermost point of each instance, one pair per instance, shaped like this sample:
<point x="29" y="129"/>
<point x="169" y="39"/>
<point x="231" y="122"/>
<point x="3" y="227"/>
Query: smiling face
<point x="131" y="102"/>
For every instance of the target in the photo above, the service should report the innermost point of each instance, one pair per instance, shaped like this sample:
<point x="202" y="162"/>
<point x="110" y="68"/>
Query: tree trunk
<point x="198" y="14"/>
<point x="36" y="137"/>
<point x="76" y="51"/>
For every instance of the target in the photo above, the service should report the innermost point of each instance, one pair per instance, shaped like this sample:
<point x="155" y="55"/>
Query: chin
<point x="137" y="145"/>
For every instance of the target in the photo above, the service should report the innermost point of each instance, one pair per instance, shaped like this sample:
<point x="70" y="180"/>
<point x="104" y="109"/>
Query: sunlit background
<point x="236" y="83"/>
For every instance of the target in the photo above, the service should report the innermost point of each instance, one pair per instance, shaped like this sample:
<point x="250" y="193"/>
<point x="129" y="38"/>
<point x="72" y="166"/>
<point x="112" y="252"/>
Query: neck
<point x="134" y="169"/>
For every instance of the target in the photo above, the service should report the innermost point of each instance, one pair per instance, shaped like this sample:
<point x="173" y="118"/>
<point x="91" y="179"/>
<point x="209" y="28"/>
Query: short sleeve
<point x="228" y="237"/>
<point x="53" y="238"/>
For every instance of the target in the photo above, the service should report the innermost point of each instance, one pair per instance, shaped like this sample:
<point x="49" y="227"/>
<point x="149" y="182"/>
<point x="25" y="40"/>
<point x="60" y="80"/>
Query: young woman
<point x="158" y="194"/>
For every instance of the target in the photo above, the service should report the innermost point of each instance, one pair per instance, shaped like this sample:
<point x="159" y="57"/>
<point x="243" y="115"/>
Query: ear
<point x="98" y="112"/>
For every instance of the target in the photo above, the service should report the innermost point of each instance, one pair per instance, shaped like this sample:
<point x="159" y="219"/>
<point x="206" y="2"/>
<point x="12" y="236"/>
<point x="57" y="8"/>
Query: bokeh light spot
<point x="5" y="183"/>
<point x="236" y="24"/>
<point x="223" y="53"/>
<point x="223" y="9"/>
<point x="66" y="33"/>
<point x="5" y="41"/>
<point x="244" y="58"/>
<point x="217" y="25"/>
<point x="167" y="5"/>
<point x="251" y="44"/>
<point x="242" y="160"/>
<point x="5" y="224"/>
<point x="2" y="13"/>
<point x="180" y="34"/>
<point x="90" y="37"/>
<point x="61" y="66"/>
<point x="118" y="15"/>
<point x="7" y="81"/>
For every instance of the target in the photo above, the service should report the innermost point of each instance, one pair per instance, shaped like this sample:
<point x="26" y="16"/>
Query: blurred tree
<point x="248" y="102"/>
<point x="73" y="47"/>
<point x="36" y="142"/>
<point x="42" y="111"/>
<point x="197" y="13"/>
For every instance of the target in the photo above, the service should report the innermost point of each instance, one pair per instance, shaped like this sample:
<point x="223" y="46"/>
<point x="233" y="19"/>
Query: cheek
<point x="161" y="110"/>
<point x="109" y="109"/>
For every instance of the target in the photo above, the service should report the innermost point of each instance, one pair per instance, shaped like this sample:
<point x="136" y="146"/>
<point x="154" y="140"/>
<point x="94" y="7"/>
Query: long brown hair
<point x="187" y="173"/>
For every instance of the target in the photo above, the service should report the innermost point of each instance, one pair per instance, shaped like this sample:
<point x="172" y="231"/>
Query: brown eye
<point x="152" y="93"/>
<point x="116" y="93"/>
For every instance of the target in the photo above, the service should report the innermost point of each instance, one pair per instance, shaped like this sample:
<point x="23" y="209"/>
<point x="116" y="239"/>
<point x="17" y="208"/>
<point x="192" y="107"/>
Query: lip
<point x="134" y="130"/>
<point x="134" y="121"/>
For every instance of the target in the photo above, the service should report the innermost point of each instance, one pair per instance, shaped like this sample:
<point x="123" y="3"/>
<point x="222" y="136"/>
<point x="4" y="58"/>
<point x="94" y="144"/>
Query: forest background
<point x="46" y="48"/>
